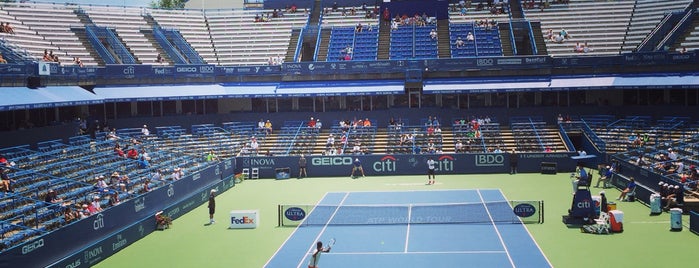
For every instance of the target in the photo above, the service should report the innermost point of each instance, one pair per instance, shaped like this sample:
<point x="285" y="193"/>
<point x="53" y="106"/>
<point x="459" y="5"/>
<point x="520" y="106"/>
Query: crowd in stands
<point x="369" y="13"/>
<point x="5" y="27"/>
<point x="561" y="37"/>
<point x="416" y="20"/>
<point x="495" y="7"/>
<point x="50" y="57"/>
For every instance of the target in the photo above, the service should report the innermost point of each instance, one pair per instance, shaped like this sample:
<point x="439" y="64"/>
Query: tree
<point x="168" y="4"/>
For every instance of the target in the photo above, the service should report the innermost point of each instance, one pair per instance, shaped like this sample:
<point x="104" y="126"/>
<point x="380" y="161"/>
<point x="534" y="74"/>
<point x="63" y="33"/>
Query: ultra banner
<point x="382" y="165"/>
<point x="56" y="245"/>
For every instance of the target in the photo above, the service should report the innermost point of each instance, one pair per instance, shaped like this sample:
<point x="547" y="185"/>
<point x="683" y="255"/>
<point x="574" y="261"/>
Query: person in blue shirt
<point x="143" y="163"/>
<point x="357" y="166"/>
<point x="629" y="188"/>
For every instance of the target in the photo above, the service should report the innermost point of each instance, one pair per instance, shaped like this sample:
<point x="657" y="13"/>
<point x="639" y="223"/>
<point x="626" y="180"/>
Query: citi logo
<point x="99" y="222"/>
<point x="445" y="163"/>
<point x="386" y="164"/>
<point x="139" y="204"/>
<point x="170" y="191"/>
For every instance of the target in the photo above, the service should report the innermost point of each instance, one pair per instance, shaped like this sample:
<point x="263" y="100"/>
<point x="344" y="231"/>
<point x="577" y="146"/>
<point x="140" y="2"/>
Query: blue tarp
<point x="20" y="98"/>
<point x="186" y="92"/>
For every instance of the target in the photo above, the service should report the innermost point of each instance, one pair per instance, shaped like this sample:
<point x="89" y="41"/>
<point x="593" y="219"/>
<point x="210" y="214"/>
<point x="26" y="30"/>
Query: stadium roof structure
<point x="18" y="98"/>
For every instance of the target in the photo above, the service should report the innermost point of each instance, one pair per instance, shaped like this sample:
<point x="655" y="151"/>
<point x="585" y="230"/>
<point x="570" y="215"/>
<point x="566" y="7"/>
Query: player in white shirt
<point x="315" y="258"/>
<point x="430" y="171"/>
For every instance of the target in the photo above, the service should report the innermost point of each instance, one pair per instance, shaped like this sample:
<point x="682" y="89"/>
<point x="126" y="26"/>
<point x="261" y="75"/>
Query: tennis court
<point x="438" y="228"/>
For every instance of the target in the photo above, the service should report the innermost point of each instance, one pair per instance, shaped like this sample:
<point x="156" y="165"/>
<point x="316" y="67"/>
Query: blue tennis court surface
<point x="384" y="238"/>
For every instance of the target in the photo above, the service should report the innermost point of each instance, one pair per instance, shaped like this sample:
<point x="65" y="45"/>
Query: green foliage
<point x="168" y="4"/>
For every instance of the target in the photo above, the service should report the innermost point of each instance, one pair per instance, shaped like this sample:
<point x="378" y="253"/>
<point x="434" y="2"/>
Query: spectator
<point x="254" y="145"/>
<point x="358" y="28"/>
<point x="143" y="163"/>
<point x="177" y="174"/>
<point x="319" y="125"/>
<point x="684" y="50"/>
<point x="78" y="62"/>
<point x="69" y="215"/>
<point x="469" y="37"/>
<point x="118" y="151"/>
<point x="578" y="48"/>
<point x="268" y="127"/>
<point x="101" y="185"/>
<point x="330" y="142"/>
<point x="675" y="197"/>
<point x="558" y="39"/>
<point x="96" y="204"/>
<point x="563" y="33"/>
<point x="433" y="34"/>
<point x="459" y="147"/>
<point x="630" y="187"/>
<point x="459" y="42"/>
<point x="2" y="60"/>
<point x="114" y="199"/>
<point x="586" y="48"/>
<point x="2" y="27"/>
<point x="211" y="157"/>
<point x="52" y="197"/>
<point x="5" y="181"/>
<point x="124" y="182"/>
<point x="311" y="123"/>
<point x="335" y="9"/>
<point x="145" y="131"/>
<point x="9" y="29"/>
<point x="47" y="56"/>
<point x="131" y="153"/>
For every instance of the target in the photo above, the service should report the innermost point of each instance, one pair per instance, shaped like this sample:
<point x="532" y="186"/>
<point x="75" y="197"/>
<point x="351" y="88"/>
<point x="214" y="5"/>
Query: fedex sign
<point x="241" y="219"/>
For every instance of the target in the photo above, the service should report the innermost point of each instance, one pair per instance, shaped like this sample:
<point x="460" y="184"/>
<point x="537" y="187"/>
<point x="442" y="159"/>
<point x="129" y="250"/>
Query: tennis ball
<point x="381" y="242"/>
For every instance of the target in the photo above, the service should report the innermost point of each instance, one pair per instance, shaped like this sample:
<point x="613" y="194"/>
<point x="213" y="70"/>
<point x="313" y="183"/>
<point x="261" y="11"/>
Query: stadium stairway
<point x="538" y="39"/>
<point x="384" y="40"/>
<point x="687" y="36"/>
<point x="443" y="45"/>
<point x="505" y="39"/>
<point x="82" y="37"/>
<point x="322" y="49"/>
<point x="291" y="51"/>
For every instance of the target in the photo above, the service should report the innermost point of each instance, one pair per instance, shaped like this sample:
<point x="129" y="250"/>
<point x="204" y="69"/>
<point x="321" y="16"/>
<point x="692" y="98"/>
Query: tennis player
<point x="212" y="206"/>
<point x="302" y="167"/>
<point x="430" y="171"/>
<point x="357" y="166"/>
<point x="313" y="262"/>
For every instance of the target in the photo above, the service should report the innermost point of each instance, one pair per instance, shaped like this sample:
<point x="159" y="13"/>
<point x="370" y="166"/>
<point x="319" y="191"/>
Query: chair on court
<point x="601" y="225"/>
<point x="631" y="195"/>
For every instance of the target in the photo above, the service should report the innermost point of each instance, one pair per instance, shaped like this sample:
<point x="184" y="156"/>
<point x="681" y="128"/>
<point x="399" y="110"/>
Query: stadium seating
<point x="486" y="41"/>
<point x="646" y="15"/>
<point x="413" y="42"/>
<point x="127" y="23"/>
<point x="239" y="40"/>
<point x="602" y="24"/>
<point x="40" y="26"/>
<point x="363" y="44"/>
<point x="192" y="25"/>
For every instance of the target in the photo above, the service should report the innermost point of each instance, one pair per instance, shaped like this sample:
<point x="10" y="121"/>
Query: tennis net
<point x="489" y="212"/>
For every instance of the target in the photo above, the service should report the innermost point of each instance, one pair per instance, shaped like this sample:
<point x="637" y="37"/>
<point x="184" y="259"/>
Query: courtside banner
<point x="393" y="164"/>
<point x="51" y="247"/>
<point x="94" y="253"/>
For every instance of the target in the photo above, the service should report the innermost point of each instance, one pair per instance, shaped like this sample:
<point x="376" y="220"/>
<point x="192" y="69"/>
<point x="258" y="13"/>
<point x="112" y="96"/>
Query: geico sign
<point x="187" y="69"/>
<point x="331" y="161"/>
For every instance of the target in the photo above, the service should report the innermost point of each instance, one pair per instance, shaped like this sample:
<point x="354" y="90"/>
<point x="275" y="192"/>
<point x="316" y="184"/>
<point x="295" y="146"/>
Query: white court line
<point x="529" y="233"/>
<point x="323" y="230"/>
<point x="410" y="184"/>
<point x="407" y="231"/>
<point x="294" y="232"/>
<point x="496" y="229"/>
<point x="419" y="252"/>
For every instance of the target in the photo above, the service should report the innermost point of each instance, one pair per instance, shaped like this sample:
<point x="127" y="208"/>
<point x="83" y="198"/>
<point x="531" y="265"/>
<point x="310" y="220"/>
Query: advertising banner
<point x="52" y="247"/>
<point x="384" y="165"/>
